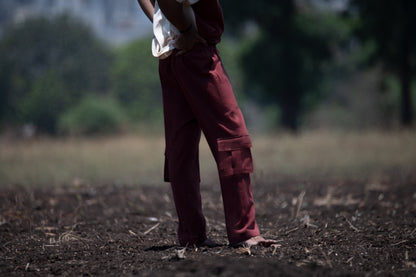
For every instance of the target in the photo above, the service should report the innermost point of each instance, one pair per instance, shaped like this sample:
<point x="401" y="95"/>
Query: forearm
<point x="148" y="7"/>
<point x="174" y="13"/>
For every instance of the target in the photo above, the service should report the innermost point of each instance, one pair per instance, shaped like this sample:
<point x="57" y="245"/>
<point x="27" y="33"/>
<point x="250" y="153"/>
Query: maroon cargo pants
<point x="197" y="95"/>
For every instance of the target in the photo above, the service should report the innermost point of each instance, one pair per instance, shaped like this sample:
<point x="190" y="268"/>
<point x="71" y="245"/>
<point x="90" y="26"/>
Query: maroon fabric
<point x="209" y="19"/>
<point x="197" y="95"/>
<point x="238" y="208"/>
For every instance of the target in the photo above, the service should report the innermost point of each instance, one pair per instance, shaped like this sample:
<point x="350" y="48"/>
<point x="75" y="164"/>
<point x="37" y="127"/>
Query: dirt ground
<point x="323" y="227"/>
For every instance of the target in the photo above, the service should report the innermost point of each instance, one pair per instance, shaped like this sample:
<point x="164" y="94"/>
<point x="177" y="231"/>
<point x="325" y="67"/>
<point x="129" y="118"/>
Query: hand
<point x="187" y="41"/>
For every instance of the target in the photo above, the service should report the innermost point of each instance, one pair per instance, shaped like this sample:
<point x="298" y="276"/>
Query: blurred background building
<point x="114" y="21"/>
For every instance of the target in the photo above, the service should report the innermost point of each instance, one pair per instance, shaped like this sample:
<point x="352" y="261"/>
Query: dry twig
<point x="307" y="221"/>
<point x="275" y="246"/>
<point x="180" y="253"/>
<point x="151" y="229"/>
<point x="349" y="260"/>
<point x="244" y="250"/>
<point x="300" y="202"/>
<point x="326" y="257"/>
<point x="397" y="243"/>
<point x="133" y="233"/>
<point x="352" y="226"/>
<point x="69" y="236"/>
<point x="292" y="230"/>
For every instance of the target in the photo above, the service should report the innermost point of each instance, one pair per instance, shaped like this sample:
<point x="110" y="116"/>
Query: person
<point x="197" y="95"/>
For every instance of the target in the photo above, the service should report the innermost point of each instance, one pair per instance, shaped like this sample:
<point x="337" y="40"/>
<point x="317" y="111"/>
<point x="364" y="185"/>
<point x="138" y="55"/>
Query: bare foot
<point x="257" y="240"/>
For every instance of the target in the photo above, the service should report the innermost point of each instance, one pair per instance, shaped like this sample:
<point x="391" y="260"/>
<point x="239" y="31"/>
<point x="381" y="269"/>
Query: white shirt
<point x="165" y="33"/>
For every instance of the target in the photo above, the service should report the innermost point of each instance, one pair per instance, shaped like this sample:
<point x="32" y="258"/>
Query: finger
<point x="202" y="40"/>
<point x="181" y="52"/>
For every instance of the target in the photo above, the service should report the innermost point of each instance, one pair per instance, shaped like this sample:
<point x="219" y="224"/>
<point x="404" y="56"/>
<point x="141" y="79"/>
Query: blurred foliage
<point x="135" y="81"/>
<point x="387" y="30"/>
<point x="44" y="102"/>
<point x="230" y="50"/>
<point x="93" y="115"/>
<point x="49" y="65"/>
<point x="285" y="62"/>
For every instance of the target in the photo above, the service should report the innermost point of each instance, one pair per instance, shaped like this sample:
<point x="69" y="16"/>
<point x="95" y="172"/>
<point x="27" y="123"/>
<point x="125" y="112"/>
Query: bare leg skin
<point x="257" y="240"/>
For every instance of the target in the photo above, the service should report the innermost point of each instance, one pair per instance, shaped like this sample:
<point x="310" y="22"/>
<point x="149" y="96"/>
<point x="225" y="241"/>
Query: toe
<point x="267" y="242"/>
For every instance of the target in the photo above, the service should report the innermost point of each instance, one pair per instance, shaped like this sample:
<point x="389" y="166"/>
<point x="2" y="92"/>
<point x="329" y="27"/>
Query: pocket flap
<point x="234" y="143"/>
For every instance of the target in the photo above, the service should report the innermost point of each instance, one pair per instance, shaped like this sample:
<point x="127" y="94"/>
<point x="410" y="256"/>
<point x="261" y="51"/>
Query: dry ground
<point x="338" y="204"/>
<point x="322" y="228"/>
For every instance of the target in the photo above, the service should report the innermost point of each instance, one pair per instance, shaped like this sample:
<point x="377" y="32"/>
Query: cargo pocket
<point x="234" y="156"/>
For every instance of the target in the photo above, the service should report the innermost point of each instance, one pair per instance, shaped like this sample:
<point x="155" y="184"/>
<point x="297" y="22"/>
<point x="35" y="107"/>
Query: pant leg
<point x="182" y="134"/>
<point x="239" y="208"/>
<point x="208" y="91"/>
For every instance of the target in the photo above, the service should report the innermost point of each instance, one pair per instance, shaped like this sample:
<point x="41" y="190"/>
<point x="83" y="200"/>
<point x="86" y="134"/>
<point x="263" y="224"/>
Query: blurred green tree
<point x="46" y="66"/>
<point x="388" y="28"/>
<point x="93" y="115"/>
<point x="284" y="63"/>
<point x="135" y="81"/>
<point x="44" y="102"/>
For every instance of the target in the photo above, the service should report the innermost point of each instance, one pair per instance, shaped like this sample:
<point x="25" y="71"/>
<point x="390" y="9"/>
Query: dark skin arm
<point x="148" y="7"/>
<point x="174" y="13"/>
